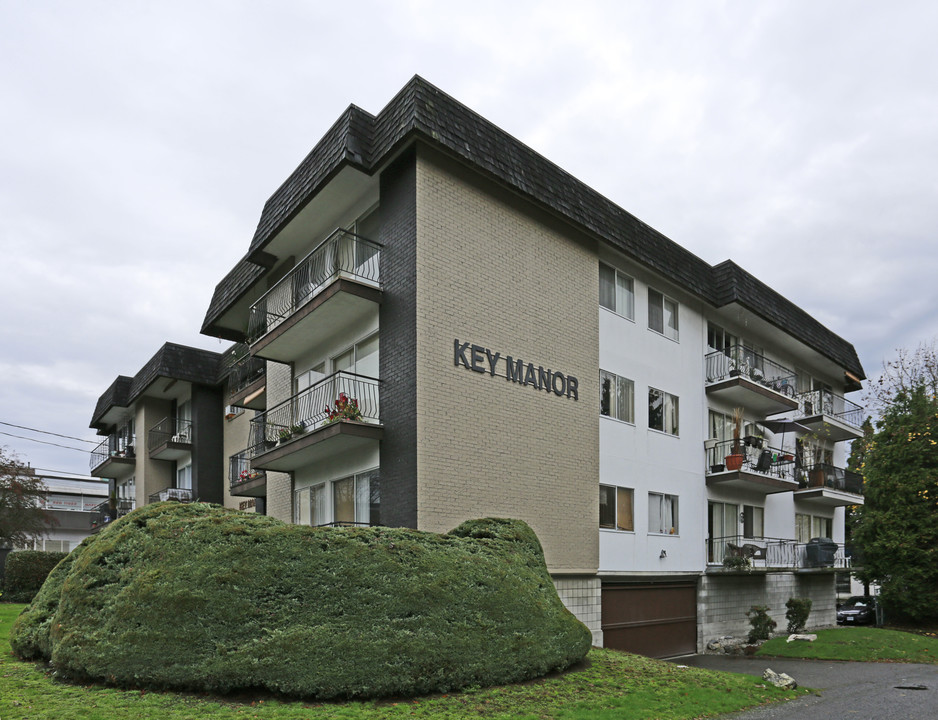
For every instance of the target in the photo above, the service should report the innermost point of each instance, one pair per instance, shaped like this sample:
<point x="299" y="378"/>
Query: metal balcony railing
<point x="99" y="454"/>
<point x="170" y="430"/>
<point x="177" y="494"/>
<point x="239" y="468"/>
<point x="824" y="402"/>
<point x="776" y="553"/>
<point x="757" y="457"/>
<point x="341" y="254"/>
<point x="339" y="396"/>
<point x="739" y="361"/>
<point x="835" y="478"/>
<point x="104" y="450"/>
<point x="242" y="368"/>
<point x="104" y="514"/>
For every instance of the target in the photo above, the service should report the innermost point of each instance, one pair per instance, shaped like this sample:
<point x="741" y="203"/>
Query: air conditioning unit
<point x="231" y="412"/>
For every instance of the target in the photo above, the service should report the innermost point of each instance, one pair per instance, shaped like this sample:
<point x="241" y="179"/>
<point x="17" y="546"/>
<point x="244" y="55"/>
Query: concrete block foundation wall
<point x="722" y="601"/>
<point x="583" y="597"/>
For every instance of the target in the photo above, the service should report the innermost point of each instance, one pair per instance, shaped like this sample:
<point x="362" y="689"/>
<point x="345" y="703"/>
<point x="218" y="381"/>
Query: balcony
<point x="247" y="379"/>
<point x="104" y="514"/>
<point x="111" y="463"/>
<point x="830" y="416"/>
<point x="170" y="439"/>
<point x="767" y="554"/>
<point x="175" y="494"/>
<point x="337" y="415"/>
<point x="744" y="378"/>
<point x="762" y="468"/>
<point x="334" y="286"/>
<point x="243" y="480"/>
<point x="825" y="484"/>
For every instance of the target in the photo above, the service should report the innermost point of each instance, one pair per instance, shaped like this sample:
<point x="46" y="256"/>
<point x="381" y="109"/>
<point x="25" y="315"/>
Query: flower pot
<point x="734" y="462"/>
<point x="718" y="467"/>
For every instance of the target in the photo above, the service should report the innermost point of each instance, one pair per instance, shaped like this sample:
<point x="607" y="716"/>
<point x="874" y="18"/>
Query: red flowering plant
<point x="345" y="408"/>
<point x="246" y="475"/>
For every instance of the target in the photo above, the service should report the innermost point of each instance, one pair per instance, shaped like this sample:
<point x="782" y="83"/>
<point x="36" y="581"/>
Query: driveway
<point x="858" y="691"/>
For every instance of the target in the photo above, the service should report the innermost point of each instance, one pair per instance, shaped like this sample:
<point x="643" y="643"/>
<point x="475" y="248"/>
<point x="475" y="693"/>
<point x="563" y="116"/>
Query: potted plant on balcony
<point x="734" y="461"/>
<point x="298" y="429"/>
<point x="284" y="435"/>
<point x="345" y="408"/>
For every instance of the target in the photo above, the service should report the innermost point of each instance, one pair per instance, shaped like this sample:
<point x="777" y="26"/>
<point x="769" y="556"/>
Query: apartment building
<point x="168" y="430"/>
<point x="436" y="323"/>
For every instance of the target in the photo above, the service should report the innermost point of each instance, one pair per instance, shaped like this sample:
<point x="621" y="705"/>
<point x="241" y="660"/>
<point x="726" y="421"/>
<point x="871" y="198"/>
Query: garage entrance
<point x="658" y="619"/>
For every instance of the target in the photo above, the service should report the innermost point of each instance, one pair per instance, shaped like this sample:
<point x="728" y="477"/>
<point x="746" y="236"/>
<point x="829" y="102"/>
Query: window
<point x="361" y="358"/>
<point x="812" y="526"/>
<point x="662" y="314"/>
<point x="802" y="527"/>
<point x="184" y="477"/>
<point x="616" y="397"/>
<point x="719" y="339"/>
<point x="127" y="494"/>
<point x="352" y="500"/>
<point x="662" y="411"/>
<point x="310" y="377"/>
<point x="125" y="436"/>
<point x="368" y="226"/>
<point x="183" y="423"/>
<point x="662" y="514"/>
<point x="615" y="508"/>
<point x="722" y="528"/>
<point x="616" y="291"/>
<point x="753" y="521"/>
<point x="821" y="527"/>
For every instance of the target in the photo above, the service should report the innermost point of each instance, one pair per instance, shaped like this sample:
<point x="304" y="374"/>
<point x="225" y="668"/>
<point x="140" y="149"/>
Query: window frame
<point x="668" y="402"/>
<point x="618" y="494"/>
<point x="621" y="384"/>
<point x="654" y="305"/>
<point x="624" y="302"/>
<point x="666" y="498"/>
<point x="753" y="515"/>
<point x="365" y="489"/>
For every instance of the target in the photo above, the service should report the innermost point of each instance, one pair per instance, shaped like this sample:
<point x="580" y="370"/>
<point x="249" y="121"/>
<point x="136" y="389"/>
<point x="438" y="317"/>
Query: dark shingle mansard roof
<point x="422" y="111"/>
<point x="178" y="362"/>
<point x="115" y="396"/>
<point x="231" y="287"/>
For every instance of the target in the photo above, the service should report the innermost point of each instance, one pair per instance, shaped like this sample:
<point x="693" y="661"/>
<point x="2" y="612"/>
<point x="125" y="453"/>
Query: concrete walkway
<point x="857" y="691"/>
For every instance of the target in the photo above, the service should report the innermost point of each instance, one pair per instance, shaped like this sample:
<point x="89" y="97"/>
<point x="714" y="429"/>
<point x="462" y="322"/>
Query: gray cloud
<point x="140" y="142"/>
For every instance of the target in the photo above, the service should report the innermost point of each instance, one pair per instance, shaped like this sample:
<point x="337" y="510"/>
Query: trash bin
<point x="819" y="552"/>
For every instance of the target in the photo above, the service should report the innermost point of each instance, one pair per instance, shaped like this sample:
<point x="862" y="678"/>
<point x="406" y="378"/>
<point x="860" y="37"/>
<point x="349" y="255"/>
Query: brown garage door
<point x="655" y="619"/>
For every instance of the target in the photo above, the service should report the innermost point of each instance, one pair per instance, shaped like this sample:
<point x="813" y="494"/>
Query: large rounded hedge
<point x="202" y="598"/>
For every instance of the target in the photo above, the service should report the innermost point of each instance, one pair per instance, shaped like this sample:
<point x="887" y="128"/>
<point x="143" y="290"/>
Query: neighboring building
<point x="73" y="504"/>
<point x="510" y="343"/>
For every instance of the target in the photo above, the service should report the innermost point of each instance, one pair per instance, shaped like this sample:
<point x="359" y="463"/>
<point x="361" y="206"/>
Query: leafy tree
<point x="910" y="370"/>
<point x="22" y="517"/>
<point x="896" y="529"/>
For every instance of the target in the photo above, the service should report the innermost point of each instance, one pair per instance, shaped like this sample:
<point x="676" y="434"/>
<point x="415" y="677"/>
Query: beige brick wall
<point x="517" y="284"/>
<point x="236" y="433"/>
<point x="279" y="485"/>
<point x="151" y="476"/>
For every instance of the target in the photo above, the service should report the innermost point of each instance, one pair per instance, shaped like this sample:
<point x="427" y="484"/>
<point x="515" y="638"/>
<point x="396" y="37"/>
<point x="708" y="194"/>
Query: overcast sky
<point x="139" y="141"/>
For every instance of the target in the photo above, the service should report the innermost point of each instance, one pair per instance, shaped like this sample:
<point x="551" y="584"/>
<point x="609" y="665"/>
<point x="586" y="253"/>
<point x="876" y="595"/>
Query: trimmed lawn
<point x="860" y="644"/>
<point x="609" y="685"/>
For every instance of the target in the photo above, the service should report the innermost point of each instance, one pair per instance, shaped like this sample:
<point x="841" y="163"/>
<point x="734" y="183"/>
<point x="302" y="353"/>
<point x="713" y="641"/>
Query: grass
<point x="608" y="685"/>
<point x="859" y="644"/>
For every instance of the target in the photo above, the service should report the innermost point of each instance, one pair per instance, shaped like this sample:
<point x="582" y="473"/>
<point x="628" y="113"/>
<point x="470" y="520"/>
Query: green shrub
<point x="202" y="598"/>
<point x="797" y="613"/>
<point x="762" y="624"/>
<point x="25" y="573"/>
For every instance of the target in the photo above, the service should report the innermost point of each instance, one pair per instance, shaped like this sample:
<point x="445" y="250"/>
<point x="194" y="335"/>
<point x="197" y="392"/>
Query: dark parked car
<point x="857" y="610"/>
